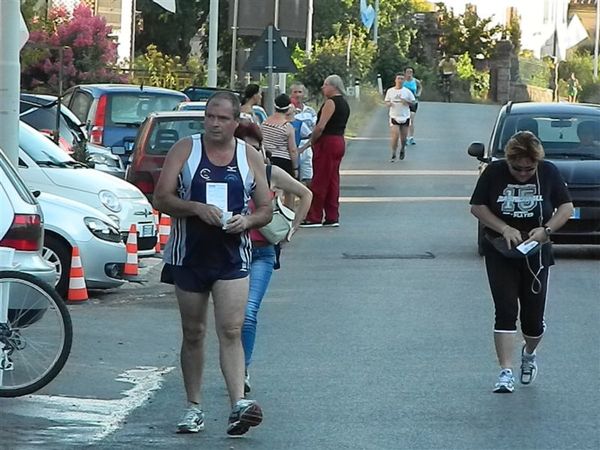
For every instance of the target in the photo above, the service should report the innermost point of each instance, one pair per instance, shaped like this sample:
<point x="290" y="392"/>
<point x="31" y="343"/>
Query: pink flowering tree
<point x="89" y="54"/>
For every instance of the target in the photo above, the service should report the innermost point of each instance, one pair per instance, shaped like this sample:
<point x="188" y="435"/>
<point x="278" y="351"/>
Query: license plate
<point x="147" y="231"/>
<point x="576" y="213"/>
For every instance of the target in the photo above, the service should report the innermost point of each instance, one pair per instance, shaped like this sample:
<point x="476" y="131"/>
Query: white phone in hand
<point x="527" y="247"/>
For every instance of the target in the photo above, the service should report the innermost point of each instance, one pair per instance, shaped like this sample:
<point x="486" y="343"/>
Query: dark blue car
<point x="113" y="112"/>
<point x="570" y="134"/>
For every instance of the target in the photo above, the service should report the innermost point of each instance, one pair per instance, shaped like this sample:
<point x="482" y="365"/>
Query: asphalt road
<point x="375" y="335"/>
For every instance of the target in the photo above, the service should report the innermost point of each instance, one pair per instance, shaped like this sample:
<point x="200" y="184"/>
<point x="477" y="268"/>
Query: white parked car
<point x="22" y="224"/>
<point x="47" y="168"/>
<point x="68" y="224"/>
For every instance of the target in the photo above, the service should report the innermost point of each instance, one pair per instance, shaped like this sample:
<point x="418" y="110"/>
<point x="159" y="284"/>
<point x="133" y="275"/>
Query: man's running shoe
<point x="505" y="383"/>
<point x="192" y="421"/>
<point x="331" y="223"/>
<point x="393" y="159"/>
<point x="402" y="154"/>
<point x="411" y="141"/>
<point x="247" y="386"/>
<point x="307" y="224"/>
<point x="529" y="367"/>
<point x="245" y="414"/>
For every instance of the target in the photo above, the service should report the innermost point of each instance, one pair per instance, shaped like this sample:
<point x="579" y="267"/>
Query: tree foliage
<point x="331" y="56"/>
<point x="154" y="68"/>
<point x="467" y="33"/>
<point x="88" y="51"/>
<point x="479" y="81"/>
<point x="170" y="33"/>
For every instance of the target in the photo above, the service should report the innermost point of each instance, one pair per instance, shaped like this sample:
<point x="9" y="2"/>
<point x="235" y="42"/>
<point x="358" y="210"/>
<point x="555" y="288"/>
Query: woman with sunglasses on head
<point x="264" y="252"/>
<point x="519" y="200"/>
<point x="279" y="139"/>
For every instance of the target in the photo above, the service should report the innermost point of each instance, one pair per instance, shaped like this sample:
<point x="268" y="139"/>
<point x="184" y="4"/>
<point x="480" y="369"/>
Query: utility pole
<point x="376" y="24"/>
<point x="309" y="23"/>
<point x="233" y="44"/>
<point x="555" y="53"/>
<point x="10" y="83"/>
<point x="133" y="30"/>
<point x="213" y="35"/>
<point x="596" y="40"/>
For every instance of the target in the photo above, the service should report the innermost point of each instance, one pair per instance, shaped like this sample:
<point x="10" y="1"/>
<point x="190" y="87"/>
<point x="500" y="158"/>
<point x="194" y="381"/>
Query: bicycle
<point x="36" y="334"/>
<point x="446" y="87"/>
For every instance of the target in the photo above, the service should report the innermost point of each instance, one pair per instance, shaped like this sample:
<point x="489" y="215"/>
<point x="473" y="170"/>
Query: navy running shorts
<point x="198" y="279"/>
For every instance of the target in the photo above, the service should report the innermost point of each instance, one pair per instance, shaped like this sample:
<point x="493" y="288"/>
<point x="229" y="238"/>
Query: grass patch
<point x="362" y="109"/>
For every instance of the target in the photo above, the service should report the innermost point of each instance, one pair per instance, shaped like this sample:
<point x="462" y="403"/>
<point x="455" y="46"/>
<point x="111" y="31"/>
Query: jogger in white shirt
<point x="399" y="99"/>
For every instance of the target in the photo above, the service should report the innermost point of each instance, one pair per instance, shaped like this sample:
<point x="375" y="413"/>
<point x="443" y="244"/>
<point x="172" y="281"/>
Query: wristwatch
<point x="548" y="231"/>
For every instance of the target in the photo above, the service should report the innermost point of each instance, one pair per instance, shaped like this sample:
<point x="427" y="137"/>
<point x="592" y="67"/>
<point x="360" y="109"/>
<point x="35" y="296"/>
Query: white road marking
<point x="401" y="199"/>
<point x="85" y="420"/>
<point x="446" y="173"/>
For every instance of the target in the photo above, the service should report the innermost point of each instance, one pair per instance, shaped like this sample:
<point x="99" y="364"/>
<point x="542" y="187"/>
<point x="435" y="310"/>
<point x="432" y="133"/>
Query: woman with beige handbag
<point x="264" y="240"/>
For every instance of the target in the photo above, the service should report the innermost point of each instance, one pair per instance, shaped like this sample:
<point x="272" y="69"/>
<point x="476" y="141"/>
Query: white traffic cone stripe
<point x="77" y="283"/>
<point x="132" y="258"/>
<point x="76" y="261"/>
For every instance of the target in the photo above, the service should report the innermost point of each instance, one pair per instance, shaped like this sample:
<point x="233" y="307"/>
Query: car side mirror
<point x="477" y="150"/>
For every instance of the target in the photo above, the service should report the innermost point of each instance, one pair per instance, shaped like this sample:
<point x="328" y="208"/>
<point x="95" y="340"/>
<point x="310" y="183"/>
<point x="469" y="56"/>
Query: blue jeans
<point x="261" y="269"/>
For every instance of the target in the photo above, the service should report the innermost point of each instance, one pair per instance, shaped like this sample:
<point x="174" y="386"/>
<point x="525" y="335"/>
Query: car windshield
<point x="132" y="109"/>
<point x="562" y="135"/>
<point x="16" y="181"/>
<point x="167" y="131"/>
<point x="44" y="118"/>
<point x="41" y="149"/>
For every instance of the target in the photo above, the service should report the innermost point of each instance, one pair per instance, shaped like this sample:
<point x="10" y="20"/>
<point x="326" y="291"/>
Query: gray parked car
<point x="68" y="224"/>
<point x="22" y="224"/>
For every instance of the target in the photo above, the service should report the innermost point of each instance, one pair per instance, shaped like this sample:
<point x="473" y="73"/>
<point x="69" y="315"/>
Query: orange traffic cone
<point x="77" y="289"/>
<point x="155" y="213"/>
<point x="131" y="263"/>
<point x="164" y="230"/>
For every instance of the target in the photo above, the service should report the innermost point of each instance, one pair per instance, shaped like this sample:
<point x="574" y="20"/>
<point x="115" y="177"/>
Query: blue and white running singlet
<point x="193" y="242"/>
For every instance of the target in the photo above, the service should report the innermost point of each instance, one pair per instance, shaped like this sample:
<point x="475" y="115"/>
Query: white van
<point x="47" y="168"/>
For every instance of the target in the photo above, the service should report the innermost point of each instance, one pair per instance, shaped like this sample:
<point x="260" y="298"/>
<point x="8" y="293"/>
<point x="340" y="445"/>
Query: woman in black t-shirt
<point x="520" y="200"/>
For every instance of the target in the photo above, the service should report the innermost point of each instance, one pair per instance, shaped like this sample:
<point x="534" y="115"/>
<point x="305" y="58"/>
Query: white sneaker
<point x="192" y="421"/>
<point x="529" y="368"/>
<point x="505" y="383"/>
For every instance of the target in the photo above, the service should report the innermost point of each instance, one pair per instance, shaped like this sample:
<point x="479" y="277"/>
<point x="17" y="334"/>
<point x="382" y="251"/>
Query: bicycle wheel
<point x="35" y="334"/>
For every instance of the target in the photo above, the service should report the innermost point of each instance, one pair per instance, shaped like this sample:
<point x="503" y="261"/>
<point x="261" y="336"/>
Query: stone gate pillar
<point x="500" y="72"/>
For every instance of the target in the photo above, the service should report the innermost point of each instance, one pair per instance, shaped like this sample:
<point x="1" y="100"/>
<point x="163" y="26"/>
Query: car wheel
<point x="58" y="253"/>
<point x="480" y="239"/>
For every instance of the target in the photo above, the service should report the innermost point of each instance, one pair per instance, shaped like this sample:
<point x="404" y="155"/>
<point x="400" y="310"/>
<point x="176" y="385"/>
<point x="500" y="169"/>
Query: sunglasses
<point x="523" y="169"/>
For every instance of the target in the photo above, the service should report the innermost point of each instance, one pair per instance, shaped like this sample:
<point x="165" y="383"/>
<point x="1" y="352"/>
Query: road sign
<point x="255" y="15"/>
<point x="258" y="61"/>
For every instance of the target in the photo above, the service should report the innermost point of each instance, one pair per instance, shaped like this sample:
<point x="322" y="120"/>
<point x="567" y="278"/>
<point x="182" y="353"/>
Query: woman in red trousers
<point x="328" y="146"/>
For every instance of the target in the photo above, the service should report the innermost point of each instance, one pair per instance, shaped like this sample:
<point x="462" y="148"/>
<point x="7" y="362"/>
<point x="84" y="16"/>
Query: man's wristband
<point x="548" y="231"/>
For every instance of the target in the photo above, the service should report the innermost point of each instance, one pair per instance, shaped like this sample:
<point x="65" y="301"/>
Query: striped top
<point x="193" y="242"/>
<point x="275" y="139"/>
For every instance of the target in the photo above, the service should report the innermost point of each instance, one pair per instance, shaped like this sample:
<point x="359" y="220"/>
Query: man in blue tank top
<point x="205" y="186"/>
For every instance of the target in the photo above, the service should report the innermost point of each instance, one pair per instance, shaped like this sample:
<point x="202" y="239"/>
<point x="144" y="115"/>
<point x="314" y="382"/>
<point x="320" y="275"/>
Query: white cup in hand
<point x="225" y="218"/>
